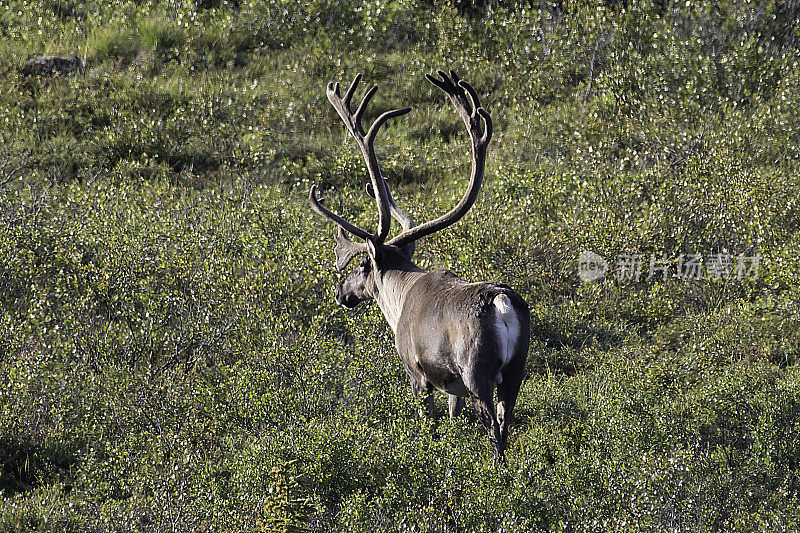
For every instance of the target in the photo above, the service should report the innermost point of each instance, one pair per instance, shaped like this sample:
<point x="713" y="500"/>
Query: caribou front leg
<point x="423" y="394"/>
<point x="455" y="405"/>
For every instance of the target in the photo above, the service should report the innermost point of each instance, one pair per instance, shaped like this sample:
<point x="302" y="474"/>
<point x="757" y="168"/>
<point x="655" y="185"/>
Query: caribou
<point x="466" y="339"/>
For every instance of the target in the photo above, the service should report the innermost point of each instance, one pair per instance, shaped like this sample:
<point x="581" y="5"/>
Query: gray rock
<point x="51" y="65"/>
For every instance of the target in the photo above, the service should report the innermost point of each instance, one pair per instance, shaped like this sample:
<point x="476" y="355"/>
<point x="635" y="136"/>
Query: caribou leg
<point x="484" y="406"/>
<point x="423" y="394"/>
<point x="507" y="392"/>
<point x="455" y="404"/>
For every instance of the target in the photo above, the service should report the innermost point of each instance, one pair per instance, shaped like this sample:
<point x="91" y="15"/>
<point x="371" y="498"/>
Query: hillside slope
<point x="171" y="356"/>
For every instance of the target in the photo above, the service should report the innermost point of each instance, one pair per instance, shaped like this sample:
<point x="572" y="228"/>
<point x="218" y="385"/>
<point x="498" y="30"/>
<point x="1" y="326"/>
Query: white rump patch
<point x="502" y="303"/>
<point x="507" y="324"/>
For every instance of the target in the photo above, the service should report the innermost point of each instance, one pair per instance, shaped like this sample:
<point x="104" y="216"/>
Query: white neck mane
<point x="392" y="288"/>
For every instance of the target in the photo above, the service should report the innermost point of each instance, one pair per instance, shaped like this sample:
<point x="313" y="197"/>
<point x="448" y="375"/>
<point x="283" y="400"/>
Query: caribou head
<point x="462" y="338"/>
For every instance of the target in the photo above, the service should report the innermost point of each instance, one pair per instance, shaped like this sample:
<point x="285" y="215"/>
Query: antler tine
<point x="349" y="94"/>
<point x="488" y="128"/>
<point x="381" y="120"/>
<point x="346" y="249"/>
<point x="341" y="105"/>
<point x="363" y="106"/>
<point x="316" y="205"/>
<point x="476" y="101"/>
<point x="378" y="183"/>
<point x="467" y="104"/>
<point x="401" y="216"/>
<point x="444" y="84"/>
<point x="478" y="110"/>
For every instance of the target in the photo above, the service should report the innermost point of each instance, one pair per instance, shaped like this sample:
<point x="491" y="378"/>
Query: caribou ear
<point x="345" y="249"/>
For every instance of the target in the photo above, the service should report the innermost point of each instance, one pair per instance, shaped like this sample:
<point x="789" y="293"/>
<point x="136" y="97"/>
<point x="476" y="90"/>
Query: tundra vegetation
<point x="171" y="355"/>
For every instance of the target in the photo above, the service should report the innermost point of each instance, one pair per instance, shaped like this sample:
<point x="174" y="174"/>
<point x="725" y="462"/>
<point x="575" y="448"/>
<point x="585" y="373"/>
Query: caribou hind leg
<point x="484" y="406"/>
<point x="514" y="372"/>
<point x="507" y="393"/>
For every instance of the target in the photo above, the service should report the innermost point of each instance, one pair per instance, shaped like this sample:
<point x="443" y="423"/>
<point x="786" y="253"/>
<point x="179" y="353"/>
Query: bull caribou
<point x="466" y="339"/>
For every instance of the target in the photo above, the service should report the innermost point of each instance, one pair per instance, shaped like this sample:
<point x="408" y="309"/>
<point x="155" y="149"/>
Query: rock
<point x="50" y="65"/>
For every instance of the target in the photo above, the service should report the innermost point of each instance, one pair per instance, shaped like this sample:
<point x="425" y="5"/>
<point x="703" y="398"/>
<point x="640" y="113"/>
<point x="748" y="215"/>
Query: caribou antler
<point x="466" y="101"/>
<point x="479" y="127"/>
<point x="401" y="216"/>
<point x="366" y="142"/>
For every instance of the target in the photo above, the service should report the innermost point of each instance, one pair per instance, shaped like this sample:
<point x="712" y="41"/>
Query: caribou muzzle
<point x="346" y="299"/>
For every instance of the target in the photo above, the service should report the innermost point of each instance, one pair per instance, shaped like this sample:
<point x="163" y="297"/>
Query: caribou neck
<point x="391" y="288"/>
